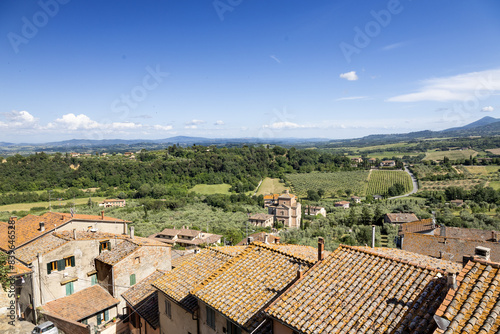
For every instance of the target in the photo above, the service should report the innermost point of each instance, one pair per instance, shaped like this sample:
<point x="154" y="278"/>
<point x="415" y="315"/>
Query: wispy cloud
<point x="460" y="87"/>
<point x="19" y="119"/>
<point x="352" y="98"/>
<point x="195" y="122"/>
<point x="393" y="46"/>
<point x="275" y="58"/>
<point x="350" y="76"/>
<point x="219" y="123"/>
<point x="283" y="125"/>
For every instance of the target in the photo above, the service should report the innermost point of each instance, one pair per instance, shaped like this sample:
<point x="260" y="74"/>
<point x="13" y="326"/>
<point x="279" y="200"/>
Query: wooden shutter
<point x="106" y="315"/>
<point x="49" y="268"/>
<point x="61" y="264"/>
<point x="72" y="261"/>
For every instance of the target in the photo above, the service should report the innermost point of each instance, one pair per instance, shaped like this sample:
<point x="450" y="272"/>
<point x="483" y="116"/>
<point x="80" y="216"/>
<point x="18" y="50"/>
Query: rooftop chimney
<point x="482" y="253"/>
<point x="74" y="233"/>
<point x="299" y="273"/>
<point x="249" y="240"/>
<point x="276" y="240"/>
<point x="42" y="226"/>
<point x="494" y="236"/>
<point x="443" y="231"/>
<point x="265" y="238"/>
<point x="321" y="248"/>
<point x="452" y="281"/>
<point x="373" y="236"/>
<point x="132" y="232"/>
<point x="102" y="215"/>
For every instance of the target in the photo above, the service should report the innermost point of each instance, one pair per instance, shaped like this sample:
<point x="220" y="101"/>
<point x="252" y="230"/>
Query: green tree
<point x="4" y="269"/>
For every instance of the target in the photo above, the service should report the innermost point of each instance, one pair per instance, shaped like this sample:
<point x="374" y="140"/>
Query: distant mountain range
<point x="486" y="126"/>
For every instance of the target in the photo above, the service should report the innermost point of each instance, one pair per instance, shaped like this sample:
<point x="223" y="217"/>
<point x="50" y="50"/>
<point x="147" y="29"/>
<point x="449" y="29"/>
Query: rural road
<point x="415" y="185"/>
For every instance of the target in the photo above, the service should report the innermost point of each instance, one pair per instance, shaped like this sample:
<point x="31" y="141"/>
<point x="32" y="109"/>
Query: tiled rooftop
<point x="42" y="245"/>
<point x="28" y="227"/>
<point x="303" y="252"/>
<point x="475" y="306"/>
<point x="424" y="225"/>
<point x="355" y="291"/>
<point x="402" y="217"/>
<point x="143" y="297"/>
<point x="117" y="253"/>
<point x="87" y="235"/>
<point x="247" y="283"/>
<point x="259" y="236"/>
<point x="231" y="250"/>
<point x="180" y="281"/>
<point x="81" y="304"/>
<point x="414" y="258"/>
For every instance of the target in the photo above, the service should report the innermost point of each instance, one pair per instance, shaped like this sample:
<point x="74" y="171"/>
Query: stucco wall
<point x="68" y="326"/>
<point x="220" y="322"/>
<point x="150" y="259"/>
<point x="182" y="321"/>
<point x="84" y="252"/>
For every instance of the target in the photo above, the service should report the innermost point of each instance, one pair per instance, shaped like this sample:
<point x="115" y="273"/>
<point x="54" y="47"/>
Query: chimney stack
<point x="249" y="240"/>
<point x="321" y="248"/>
<point x="443" y="231"/>
<point x="102" y="215"/>
<point x="74" y="233"/>
<point x="373" y="236"/>
<point x="132" y="232"/>
<point x="42" y="226"/>
<point x="299" y="273"/>
<point x="276" y="240"/>
<point x="452" y="281"/>
<point x="482" y="253"/>
<point x="494" y="236"/>
<point x="265" y="238"/>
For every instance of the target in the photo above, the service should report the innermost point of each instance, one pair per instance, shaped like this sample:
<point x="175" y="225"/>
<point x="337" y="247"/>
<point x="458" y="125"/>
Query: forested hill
<point x="242" y="168"/>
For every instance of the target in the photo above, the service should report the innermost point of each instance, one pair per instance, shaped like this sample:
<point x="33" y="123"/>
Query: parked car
<point x="47" y="327"/>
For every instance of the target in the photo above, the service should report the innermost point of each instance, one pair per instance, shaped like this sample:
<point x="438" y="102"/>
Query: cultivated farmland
<point x="334" y="184"/>
<point x="381" y="180"/>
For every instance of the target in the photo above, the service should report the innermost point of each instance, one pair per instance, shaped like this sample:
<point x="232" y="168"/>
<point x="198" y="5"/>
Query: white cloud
<point x="163" y="127"/>
<point x="487" y="109"/>
<point x="19" y="119"/>
<point x="125" y="126"/>
<point x="462" y="87"/>
<point x="352" y="98"/>
<point x="351" y="76"/>
<point x="283" y="125"/>
<point x="74" y="122"/>
<point x="219" y="123"/>
<point x="195" y="122"/>
<point x="190" y="127"/>
<point x="275" y="58"/>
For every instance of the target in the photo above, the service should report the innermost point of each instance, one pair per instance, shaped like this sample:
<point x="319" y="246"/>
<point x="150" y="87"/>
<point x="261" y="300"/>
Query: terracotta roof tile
<point x="424" y="225"/>
<point x="355" y="291"/>
<point x="42" y="245"/>
<point x="118" y="253"/>
<point x="143" y="297"/>
<point x="401" y="217"/>
<point x="475" y="306"/>
<point x="82" y="304"/>
<point x="28" y="227"/>
<point x="180" y="281"/>
<point x="247" y="283"/>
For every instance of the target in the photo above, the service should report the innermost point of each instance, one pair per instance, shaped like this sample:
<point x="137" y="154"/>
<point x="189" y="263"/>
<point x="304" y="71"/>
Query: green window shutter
<point x="132" y="279"/>
<point x="93" y="279"/>
<point x="109" y="245"/>
<point x="100" y="248"/>
<point x="61" y="265"/>
<point x="49" y="268"/>
<point x="106" y="315"/>
<point x="72" y="261"/>
<point x="99" y="318"/>
<point x="69" y="288"/>
<point x="85" y="322"/>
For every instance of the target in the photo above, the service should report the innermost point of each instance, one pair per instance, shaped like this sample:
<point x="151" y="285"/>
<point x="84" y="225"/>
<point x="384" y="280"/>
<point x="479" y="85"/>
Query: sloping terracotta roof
<point x="189" y="233"/>
<point x="143" y="297"/>
<point x="342" y="203"/>
<point x="401" y="217"/>
<point x="42" y="245"/>
<point x="178" y="261"/>
<point x="87" y="235"/>
<point x="178" y="282"/>
<point x="247" y="283"/>
<point x="231" y="250"/>
<point x="28" y="227"/>
<point x="81" y="304"/>
<point x="117" y="253"/>
<point x="17" y="269"/>
<point x="303" y="252"/>
<point x="169" y="231"/>
<point x="418" y="259"/>
<point x="259" y="236"/>
<point x="260" y="216"/>
<point x="424" y="225"/>
<point x="475" y="306"/>
<point x="354" y="291"/>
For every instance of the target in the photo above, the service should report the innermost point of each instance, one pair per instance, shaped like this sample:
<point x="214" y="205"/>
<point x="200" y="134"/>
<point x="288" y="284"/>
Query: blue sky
<point x="240" y="68"/>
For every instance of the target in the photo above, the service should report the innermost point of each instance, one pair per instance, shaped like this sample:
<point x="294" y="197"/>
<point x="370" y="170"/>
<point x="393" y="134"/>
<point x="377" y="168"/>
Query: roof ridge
<point x="219" y="252"/>
<point x="272" y="248"/>
<point x="388" y="257"/>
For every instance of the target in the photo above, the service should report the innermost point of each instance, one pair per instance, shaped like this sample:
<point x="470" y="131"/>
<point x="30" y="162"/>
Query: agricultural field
<point x="442" y="185"/>
<point x="211" y="189"/>
<point x="379" y="181"/>
<point x="334" y="184"/>
<point x="495" y="151"/>
<point x="452" y="155"/>
<point x="55" y="204"/>
<point x="483" y="170"/>
<point x="271" y="186"/>
<point x="422" y="171"/>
